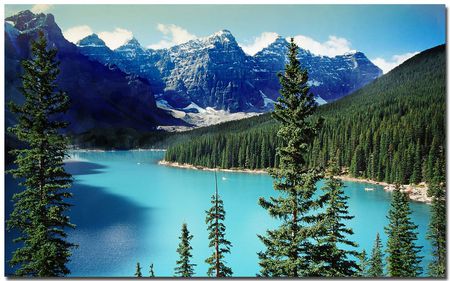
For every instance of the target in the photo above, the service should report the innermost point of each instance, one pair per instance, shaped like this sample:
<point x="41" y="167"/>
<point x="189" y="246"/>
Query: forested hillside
<point x="392" y="130"/>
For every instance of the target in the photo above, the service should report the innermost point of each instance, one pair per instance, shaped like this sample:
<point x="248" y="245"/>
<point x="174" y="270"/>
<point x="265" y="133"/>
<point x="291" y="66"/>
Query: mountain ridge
<point x="102" y="96"/>
<point x="214" y="71"/>
<point x="209" y="72"/>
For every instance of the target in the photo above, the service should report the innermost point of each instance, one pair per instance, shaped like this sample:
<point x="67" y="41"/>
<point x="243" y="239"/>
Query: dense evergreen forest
<point x="391" y="130"/>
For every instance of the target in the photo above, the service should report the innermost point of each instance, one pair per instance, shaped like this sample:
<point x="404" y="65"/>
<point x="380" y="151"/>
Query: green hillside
<point x="391" y="130"/>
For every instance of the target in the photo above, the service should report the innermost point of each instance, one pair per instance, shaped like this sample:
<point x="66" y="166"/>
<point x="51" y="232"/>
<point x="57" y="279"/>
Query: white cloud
<point x="259" y="43"/>
<point x="388" y="65"/>
<point x="113" y="39"/>
<point x="76" y="33"/>
<point x="41" y="8"/>
<point x="116" y="38"/>
<point x="172" y="35"/>
<point x="332" y="47"/>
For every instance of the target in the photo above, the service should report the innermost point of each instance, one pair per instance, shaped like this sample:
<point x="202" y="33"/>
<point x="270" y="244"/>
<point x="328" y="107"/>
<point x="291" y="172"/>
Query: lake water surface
<point x="129" y="209"/>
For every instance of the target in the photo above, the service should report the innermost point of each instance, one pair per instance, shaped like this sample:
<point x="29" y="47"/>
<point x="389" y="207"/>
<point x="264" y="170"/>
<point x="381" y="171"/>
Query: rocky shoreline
<point x="415" y="192"/>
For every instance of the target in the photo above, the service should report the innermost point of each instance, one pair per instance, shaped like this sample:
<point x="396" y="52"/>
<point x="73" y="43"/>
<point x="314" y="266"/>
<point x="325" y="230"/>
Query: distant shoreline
<point x="416" y="192"/>
<point x="113" y="150"/>
<point x="202" y="168"/>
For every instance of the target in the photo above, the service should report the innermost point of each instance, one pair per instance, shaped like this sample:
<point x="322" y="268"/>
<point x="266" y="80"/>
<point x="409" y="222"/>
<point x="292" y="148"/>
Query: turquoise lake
<point x="129" y="209"/>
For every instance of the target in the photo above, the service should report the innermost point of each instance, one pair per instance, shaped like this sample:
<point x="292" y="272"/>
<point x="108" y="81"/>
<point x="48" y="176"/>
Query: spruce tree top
<point x="403" y="258"/>
<point x="184" y="266"/>
<point x="293" y="110"/>
<point x="296" y="103"/>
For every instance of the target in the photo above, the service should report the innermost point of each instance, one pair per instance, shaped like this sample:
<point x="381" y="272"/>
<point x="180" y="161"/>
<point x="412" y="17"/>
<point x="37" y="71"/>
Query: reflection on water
<point x="77" y="168"/>
<point x="106" y="228"/>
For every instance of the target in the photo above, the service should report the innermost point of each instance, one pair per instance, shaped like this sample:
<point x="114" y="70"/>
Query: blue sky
<point x="387" y="34"/>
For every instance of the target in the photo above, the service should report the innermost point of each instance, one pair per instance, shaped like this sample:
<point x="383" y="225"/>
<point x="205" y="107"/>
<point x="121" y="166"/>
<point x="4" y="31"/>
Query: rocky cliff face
<point x="211" y="72"/>
<point x="131" y="58"/>
<point x="102" y="96"/>
<point x="269" y="62"/>
<point x="215" y="72"/>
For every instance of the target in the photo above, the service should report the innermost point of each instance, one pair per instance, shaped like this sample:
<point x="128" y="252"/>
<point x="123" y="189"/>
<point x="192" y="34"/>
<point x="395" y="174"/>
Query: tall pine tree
<point x="376" y="266"/>
<point x="184" y="266"/>
<point x="40" y="210"/>
<point x="363" y="264"/>
<point x="214" y="219"/>
<point x="332" y="260"/>
<point x="138" y="272"/>
<point x="288" y="248"/>
<point x="151" y="271"/>
<point x="438" y="223"/>
<point x="403" y="258"/>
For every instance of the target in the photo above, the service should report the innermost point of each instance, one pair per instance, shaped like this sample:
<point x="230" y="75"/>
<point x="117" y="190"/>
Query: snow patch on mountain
<point x="320" y="100"/>
<point x="174" y="112"/>
<point x="313" y="82"/>
<point x="267" y="101"/>
<point x="10" y="30"/>
<point x="194" y="106"/>
<point x="210" y="116"/>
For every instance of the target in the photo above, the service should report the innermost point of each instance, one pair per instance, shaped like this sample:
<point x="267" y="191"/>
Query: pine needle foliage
<point x="438" y="222"/>
<point x="403" y="258"/>
<point x="184" y="266"/>
<point x="138" y="272"/>
<point x="376" y="265"/>
<point x="151" y="271"/>
<point x="215" y="217"/>
<point x="335" y="251"/>
<point x="363" y="264"/>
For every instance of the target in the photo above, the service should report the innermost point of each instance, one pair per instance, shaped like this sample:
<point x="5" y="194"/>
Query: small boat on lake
<point x="369" y="189"/>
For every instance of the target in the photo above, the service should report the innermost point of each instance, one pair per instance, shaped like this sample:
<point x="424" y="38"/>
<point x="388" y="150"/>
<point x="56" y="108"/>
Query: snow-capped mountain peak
<point x="91" y="40"/>
<point x="277" y="48"/>
<point x="350" y="53"/>
<point x="133" y="43"/>
<point x="279" y="40"/>
<point x="223" y="36"/>
<point x="27" y="21"/>
<point x="224" y="33"/>
<point x="215" y="72"/>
